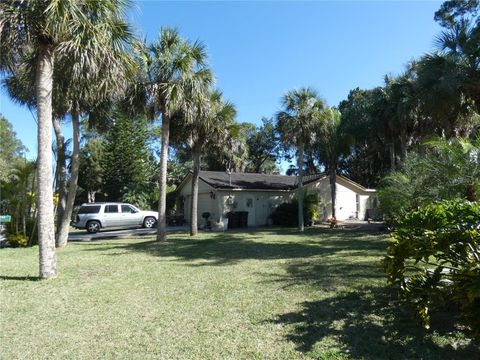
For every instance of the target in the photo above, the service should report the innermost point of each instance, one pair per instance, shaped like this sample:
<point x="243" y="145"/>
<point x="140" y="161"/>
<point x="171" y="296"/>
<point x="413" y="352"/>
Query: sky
<point x="260" y="50"/>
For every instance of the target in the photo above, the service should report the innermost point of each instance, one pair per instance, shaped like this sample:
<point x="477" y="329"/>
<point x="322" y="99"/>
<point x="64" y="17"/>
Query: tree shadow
<point x="370" y="324"/>
<point x="19" y="278"/>
<point x="228" y="248"/>
<point x="329" y="274"/>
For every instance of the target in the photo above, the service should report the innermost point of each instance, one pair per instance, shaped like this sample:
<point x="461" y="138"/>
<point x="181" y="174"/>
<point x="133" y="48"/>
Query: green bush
<point x="17" y="240"/>
<point x="446" y="169"/>
<point x="434" y="257"/>
<point x="286" y="214"/>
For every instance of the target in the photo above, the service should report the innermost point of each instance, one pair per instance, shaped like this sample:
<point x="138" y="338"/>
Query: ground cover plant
<point x="273" y="294"/>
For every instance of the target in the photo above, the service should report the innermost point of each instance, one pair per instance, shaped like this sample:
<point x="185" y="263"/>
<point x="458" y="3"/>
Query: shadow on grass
<point x="329" y="274"/>
<point x="362" y="316"/>
<point x="370" y="324"/>
<point x="20" y="278"/>
<point x="231" y="247"/>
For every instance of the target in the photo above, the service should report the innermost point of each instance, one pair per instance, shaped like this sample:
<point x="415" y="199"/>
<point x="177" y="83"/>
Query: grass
<point x="263" y="295"/>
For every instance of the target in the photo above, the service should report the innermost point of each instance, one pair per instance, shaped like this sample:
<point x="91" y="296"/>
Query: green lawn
<point x="260" y="295"/>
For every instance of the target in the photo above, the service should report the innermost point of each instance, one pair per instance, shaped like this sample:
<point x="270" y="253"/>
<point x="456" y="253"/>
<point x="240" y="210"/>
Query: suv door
<point x="112" y="217"/>
<point x="130" y="215"/>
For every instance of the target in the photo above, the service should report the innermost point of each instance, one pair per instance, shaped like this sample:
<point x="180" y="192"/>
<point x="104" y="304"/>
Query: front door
<point x="261" y="210"/>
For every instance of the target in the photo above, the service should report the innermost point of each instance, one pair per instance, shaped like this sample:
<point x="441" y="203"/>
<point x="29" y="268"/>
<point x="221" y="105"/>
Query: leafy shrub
<point x="434" y="256"/>
<point x="17" y="240"/>
<point x="446" y="169"/>
<point x="286" y="214"/>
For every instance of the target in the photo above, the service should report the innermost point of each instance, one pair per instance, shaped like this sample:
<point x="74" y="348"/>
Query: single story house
<point x="259" y="194"/>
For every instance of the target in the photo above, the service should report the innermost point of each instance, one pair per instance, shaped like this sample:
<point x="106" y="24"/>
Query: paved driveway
<point x="112" y="234"/>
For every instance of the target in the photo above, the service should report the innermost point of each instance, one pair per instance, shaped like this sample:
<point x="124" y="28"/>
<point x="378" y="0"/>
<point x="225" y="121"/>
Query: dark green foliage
<point x="434" y="257"/>
<point x="452" y="11"/>
<point x="447" y="169"/>
<point x="91" y="169"/>
<point x="286" y="214"/>
<point x="129" y="166"/>
<point x="11" y="148"/>
<point x="263" y="148"/>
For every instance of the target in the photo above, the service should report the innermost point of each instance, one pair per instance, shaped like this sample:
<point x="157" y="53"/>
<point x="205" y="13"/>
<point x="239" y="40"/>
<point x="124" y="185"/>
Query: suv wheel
<point x="149" y="222"/>
<point x="93" y="226"/>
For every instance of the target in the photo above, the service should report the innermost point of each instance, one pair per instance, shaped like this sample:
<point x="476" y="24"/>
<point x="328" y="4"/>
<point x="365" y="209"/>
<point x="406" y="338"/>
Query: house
<point x="259" y="194"/>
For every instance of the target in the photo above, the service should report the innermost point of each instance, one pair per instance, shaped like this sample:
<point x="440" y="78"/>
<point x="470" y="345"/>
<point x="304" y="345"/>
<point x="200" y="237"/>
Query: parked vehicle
<point x="96" y="216"/>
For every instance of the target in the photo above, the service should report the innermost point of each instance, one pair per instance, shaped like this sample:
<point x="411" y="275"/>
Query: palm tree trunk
<point x="31" y="198"/>
<point x="24" y="205"/>
<point x="46" y="225"/>
<point x="333" y="190"/>
<point x="194" y="202"/>
<point x="162" y="203"/>
<point x="403" y="143"/>
<point x="61" y="172"/>
<point x="34" y="227"/>
<point x="300" y="188"/>
<point x="392" y="155"/>
<point x="62" y="236"/>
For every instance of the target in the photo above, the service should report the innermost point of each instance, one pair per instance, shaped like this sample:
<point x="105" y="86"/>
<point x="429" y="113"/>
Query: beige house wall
<point x="352" y="201"/>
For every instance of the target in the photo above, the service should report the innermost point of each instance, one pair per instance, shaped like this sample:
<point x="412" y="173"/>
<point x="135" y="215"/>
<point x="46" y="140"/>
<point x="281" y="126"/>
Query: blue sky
<point x="260" y="50"/>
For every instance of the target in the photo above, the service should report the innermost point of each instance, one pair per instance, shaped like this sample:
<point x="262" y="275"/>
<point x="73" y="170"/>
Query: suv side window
<point x="91" y="209"/>
<point x="128" y="209"/>
<point x="111" y="208"/>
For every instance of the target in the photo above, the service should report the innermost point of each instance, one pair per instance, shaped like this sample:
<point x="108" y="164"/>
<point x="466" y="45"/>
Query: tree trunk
<point x="392" y="155"/>
<point x="34" y="227"/>
<point x="46" y="225"/>
<point x="194" y="202"/>
<point x="162" y="202"/>
<point x="62" y="236"/>
<point x="471" y="192"/>
<point x="91" y="196"/>
<point x="333" y="189"/>
<point x="61" y="172"/>
<point x="300" y="188"/>
<point x="403" y="143"/>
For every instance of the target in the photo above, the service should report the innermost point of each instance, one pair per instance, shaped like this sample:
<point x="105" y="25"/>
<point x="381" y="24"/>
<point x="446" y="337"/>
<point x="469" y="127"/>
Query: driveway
<point x="112" y="234"/>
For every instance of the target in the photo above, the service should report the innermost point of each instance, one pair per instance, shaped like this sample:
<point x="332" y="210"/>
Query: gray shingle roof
<point x="252" y="181"/>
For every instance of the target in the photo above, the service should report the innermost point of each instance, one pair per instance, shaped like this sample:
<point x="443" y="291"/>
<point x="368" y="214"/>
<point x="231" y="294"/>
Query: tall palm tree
<point x="209" y="122"/>
<point x="332" y="142"/>
<point x="175" y="68"/>
<point x="69" y="31"/>
<point x="297" y="124"/>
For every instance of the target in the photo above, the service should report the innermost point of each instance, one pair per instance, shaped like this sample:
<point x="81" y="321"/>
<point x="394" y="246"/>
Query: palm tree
<point x="449" y="79"/>
<point x="209" y="122"/>
<point x="332" y="142"/>
<point x="17" y="193"/>
<point x="459" y="161"/>
<point x="296" y="124"/>
<point x="69" y="31"/>
<point x="175" y="68"/>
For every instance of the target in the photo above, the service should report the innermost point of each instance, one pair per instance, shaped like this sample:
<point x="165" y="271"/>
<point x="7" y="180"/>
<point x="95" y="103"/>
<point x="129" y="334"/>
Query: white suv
<point x="96" y="216"/>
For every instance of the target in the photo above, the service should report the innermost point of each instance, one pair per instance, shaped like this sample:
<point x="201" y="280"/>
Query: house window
<point x="249" y="203"/>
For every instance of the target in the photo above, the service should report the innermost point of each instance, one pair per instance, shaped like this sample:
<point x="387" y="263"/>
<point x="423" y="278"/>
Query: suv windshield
<point x="91" y="209"/>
